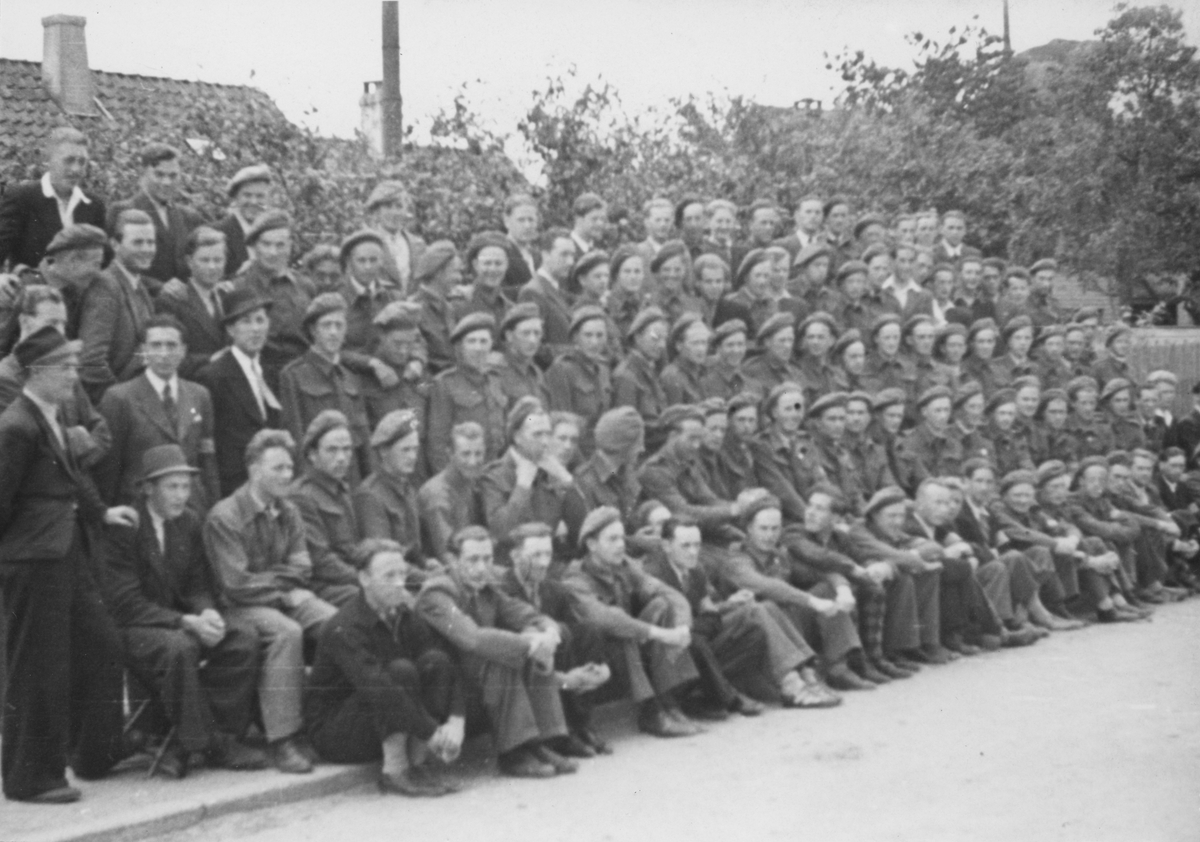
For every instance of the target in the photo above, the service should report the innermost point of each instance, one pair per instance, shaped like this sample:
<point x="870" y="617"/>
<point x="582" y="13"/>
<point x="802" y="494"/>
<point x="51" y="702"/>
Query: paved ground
<point x="1092" y="735"/>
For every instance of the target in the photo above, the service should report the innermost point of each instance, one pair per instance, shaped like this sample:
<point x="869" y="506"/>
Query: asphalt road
<point x="1091" y="735"/>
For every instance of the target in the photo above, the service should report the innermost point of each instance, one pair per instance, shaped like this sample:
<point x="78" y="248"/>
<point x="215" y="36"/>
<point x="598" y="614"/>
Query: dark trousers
<point x="964" y="604"/>
<point x="521" y="705"/>
<point x="414" y="701"/>
<point x="63" y="677"/>
<point x="730" y="651"/>
<point x="913" y="617"/>
<point x="582" y="643"/>
<point x="198" y="700"/>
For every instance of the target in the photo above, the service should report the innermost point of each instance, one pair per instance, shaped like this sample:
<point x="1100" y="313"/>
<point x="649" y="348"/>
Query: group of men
<point x="365" y="510"/>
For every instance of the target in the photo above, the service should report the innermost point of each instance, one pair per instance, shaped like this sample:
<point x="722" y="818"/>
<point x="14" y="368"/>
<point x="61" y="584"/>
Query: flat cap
<point x="1085" y="313"/>
<point x="826" y="402"/>
<point x="851" y="267"/>
<point x="325" y="421"/>
<point x="75" y="237"/>
<point x="322" y="305"/>
<point x="386" y="192"/>
<point x="240" y="302"/>
<point x="976" y="463"/>
<point x="269" y="220"/>
<point x="620" y="430"/>
<point x="1047" y="397"/>
<point x="164" y="459"/>
<point x="518" y="313"/>
<point x="1119" y="329"/>
<point x="517" y="416"/>
<point x="397" y="424"/>
<point x="1014" y="324"/>
<point x="752" y="259"/>
<point x="727" y="329"/>
<point x="773" y="325"/>
<point x="597" y="521"/>
<point x="884" y="497"/>
<point x="434" y="259"/>
<point x="670" y="249"/>
<point x="471" y="323"/>
<point x="1112" y="387"/>
<point x="585" y="203"/>
<point x="683" y="204"/>
<point x="398" y="315"/>
<point x="45" y="346"/>
<point x="1162" y="376"/>
<point x="1019" y="477"/>
<point x="676" y="414"/>
<point x="888" y="397"/>
<point x="1082" y="383"/>
<point x="585" y="314"/>
<point x="1050" y="470"/>
<point x="645" y="317"/>
<point x="999" y="398"/>
<point x="247" y="175"/>
<point x="966" y="391"/>
<point x="363" y="235"/>
<point x="933" y="393"/>
<point x="1045" y="263"/>
<point x="867" y="220"/>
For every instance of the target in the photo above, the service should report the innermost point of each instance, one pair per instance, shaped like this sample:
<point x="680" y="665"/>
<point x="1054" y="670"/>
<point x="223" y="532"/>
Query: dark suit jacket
<point x="29" y="221"/>
<point x="202" y="332"/>
<point x="235" y="244"/>
<point x="981" y="539"/>
<point x="42" y="491"/>
<point x="149" y="586"/>
<point x="168" y="258"/>
<point x="110" y="324"/>
<point x="236" y="418"/>
<point x="518" y="273"/>
<point x="940" y="254"/>
<point x="556" y="314"/>
<point x="138" y="422"/>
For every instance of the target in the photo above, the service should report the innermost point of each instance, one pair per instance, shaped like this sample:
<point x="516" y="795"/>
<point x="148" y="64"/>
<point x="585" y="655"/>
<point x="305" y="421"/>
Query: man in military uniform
<point x="470" y="391"/>
<point x="827" y="419"/>
<point x="439" y="273"/>
<point x="785" y="457"/>
<point x="386" y="502"/>
<point x="365" y="286"/>
<point x="521" y="332"/>
<point x="450" y="500"/>
<point x="929" y="450"/>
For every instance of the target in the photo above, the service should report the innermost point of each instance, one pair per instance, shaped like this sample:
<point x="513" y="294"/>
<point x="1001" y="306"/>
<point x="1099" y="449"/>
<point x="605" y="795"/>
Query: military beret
<point x="683" y="205"/>
<point x="976" y="463"/>
<point x="619" y="430"/>
<point x="522" y="312"/>
<point x="619" y="257"/>
<point x="1162" y="376"/>
<point x="966" y="391"/>
<point x="913" y="322"/>
<point x="325" y="421"/>
<point x="1024" y="382"/>
<point x="995" y="263"/>
<point x="776" y="394"/>
<point x="727" y="329"/>
<point x="740" y="401"/>
<point x="671" y="248"/>
<point x="882" y="321"/>
<point x="676" y="414"/>
<point x="434" y="259"/>
<point x="1048" y="332"/>
<point x="810" y="253"/>
<point x="1050" y="470"/>
<point x="386" y="192"/>
<point x="819" y="317"/>
<point x="357" y="238"/>
<point x="1112" y="387"/>
<point x="1082" y="383"/>
<point x="865" y="221"/>
<point x="1045" y="263"/>
<point x="685" y="320"/>
<point x="1119" y="329"/>
<point x="978" y="326"/>
<point x="587" y="263"/>
<point x="45" y="346"/>
<point x="1047" y="397"/>
<point x="752" y="259"/>
<point x="999" y="398"/>
<point x="397" y="424"/>
<point x="1119" y="457"/>
<point x="773" y="325"/>
<point x="888" y="397"/>
<point x="712" y="406"/>
<point x="827" y="402"/>
<point x="847" y="338"/>
<point x="322" y="305"/>
<point x="597" y="521"/>
<point x="1085" y="313"/>
<point x="269" y="220"/>
<point x="585" y="314"/>
<point x="946" y="331"/>
<point x="241" y="302"/>
<point x="760" y="502"/>
<point x="164" y="459"/>
<point x="861" y="397"/>
<point x="398" y="315"/>
<point x="1015" y="271"/>
<point x="1020" y="477"/>
<point x="483" y="240"/>
<point x="247" y="175"/>
<point x="471" y="323"/>
<point x="75" y="237"/>
<point x="933" y="393"/>
<point x="585" y="203"/>
<point x="850" y="267"/>
<point x="524" y="408"/>
<point x="883" y="498"/>
<point x="1088" y="462"/>
<point x="1014" y="324"/>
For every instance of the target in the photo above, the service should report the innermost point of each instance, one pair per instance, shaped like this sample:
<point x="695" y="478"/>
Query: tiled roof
<point x="27" y="113"/>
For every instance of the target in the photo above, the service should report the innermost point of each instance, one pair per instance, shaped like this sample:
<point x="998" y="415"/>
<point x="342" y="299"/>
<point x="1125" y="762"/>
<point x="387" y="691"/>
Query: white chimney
<point x="65" y="64"/>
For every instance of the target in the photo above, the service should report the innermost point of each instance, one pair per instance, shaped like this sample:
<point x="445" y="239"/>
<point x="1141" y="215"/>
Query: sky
<point x="313" y="56"/>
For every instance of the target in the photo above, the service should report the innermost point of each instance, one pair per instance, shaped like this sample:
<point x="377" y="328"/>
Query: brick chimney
<point x="65" y="64"/>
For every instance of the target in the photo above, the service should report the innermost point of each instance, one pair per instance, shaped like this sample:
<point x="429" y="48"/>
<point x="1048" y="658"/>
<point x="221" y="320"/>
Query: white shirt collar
<point x="49" y="410"/>
<point x="158" y="383"/>
<point x="77" y="195"/>
<point x="247" y="362"/>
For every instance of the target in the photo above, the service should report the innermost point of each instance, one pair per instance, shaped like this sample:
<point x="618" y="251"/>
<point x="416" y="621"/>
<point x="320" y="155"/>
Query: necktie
<point x="266" y="398"/>
<point x="214" y="305"/>
<point x="169" y="407"/>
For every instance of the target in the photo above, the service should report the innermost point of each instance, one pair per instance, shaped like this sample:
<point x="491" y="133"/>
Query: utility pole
<point x="393" y="120"/>
<point x="1007" y="39"/>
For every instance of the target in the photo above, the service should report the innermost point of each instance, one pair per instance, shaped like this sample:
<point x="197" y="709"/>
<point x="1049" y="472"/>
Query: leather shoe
<point x="989" y="642"/>
<point x="286" y="757"/>
<point x="591" y="738"/>
<point x="562" y="765"/>
<point x="1021" y="637"/>
<point x="841" y="678"/>
<point x="655" y="722"/>
<point x="746" y="706"/>
<point x="58" y="795"/>
<point x="173" y="763"/>
<point x="225" y="752"/>
<point x="955" y="643"/>
<point x="706" y="713"/>
<point x="891" y="670"/>
<point x="573" y="746"/>
<point x="521" y="763"/>
<point x="932" y="655"/>
<point x="872" y="674"/>
<point x="411" y="784"/>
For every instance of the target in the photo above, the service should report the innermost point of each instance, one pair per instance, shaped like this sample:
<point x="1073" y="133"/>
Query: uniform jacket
<point x="506" y="507"/>
<point x="448" y="502"/>
<point x="519" y="378"/>
<point x="787" y="466"/>
<point x="577" y="383"/>
<point x="682" y="382"/>
<point x="636" y="383"/>
<point x="677" y="481"/>
<point x="611" y="598"/>
<point x="436" y="321"/>
<point x="310" y="384"/>
<point x="330" y="527"/>
<point x="386" y="507"/>
<point x="463" y="394"/>
<point x="721" y="380"/>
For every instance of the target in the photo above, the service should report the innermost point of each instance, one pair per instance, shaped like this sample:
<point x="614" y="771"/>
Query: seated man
<point x="579" y="660"/>
<point x="255" y="542"/>
<point x="384" y="684"/>
<point x="745" y="650"/>
<point x="647" y="623"/>
<point x="385" y="503"/>
<point x="323" y="498"/>
<point x="1158" y="528"/>
<point x="450" y="500"/>
<point x="762" y="567"/>
<point x="165" y="605"/>
<point x="507" y="652"/>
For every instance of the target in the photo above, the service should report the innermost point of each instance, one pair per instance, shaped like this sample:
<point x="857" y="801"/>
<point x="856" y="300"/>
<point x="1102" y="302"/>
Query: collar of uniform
<point x="401" y="485"/>
<point x="322" y="364"/>
<point x="77" y="195"/>
<point x="640" y="362"/>
<point x="604" y="466"/>
<point x="520" y="364"/>
<point x="250" y="507"/>
<point x="326" y="483"/>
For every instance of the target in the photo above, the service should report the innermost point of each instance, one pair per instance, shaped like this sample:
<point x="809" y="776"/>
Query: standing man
<point x="172" y="223"/>
<point x="33" y="212"/>
<point x="389" y="212"/>
<point x="255" y="542"/>
<point x="366" y="287"/>
<point x="521" y="230"/>
<point x="658" y="214"/>
<point x="950" y="248"/>
<point x="63" y="679"/>
<point x="809" y="217"/>
<point x="439" y="273"/>
<point x="250" y="193"/>
<point x="546" y="291"/>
